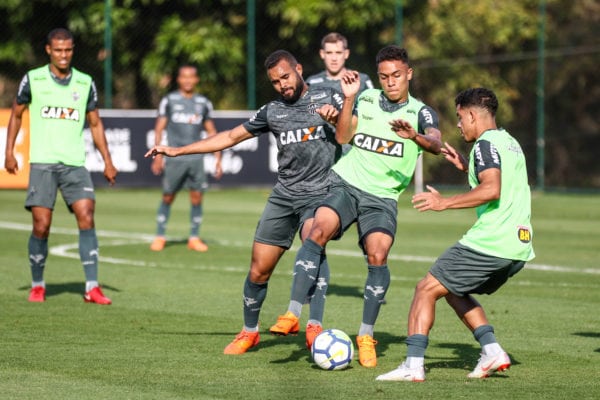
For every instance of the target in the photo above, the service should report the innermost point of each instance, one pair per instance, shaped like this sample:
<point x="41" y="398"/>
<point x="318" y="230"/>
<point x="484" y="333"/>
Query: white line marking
<point x="64" y="250"/>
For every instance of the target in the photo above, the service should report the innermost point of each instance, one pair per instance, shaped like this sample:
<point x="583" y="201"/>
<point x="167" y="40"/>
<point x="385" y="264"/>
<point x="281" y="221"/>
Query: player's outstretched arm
<point x="430" y="141"/>
<point x="346" y="121"/>
<point x="455" y="157"/>
<point x="488" y="190"/>
<point x="218" y="142"/>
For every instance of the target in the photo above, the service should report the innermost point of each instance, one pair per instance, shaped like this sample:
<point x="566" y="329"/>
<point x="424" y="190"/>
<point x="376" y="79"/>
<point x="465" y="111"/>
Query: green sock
<point x="162" y="218"/>
<point x="88" y="253"/>
<point x="38" y="252"/>
<point x="306" y="269"/>
<point x="195" y="220"/>
<point x="254" y="296"/>
<point x="378" y="281"/>
<point x="317" y="300"/>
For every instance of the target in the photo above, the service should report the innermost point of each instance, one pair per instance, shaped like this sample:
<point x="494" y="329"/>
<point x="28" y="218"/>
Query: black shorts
<point x="187" y="174"/>
<point x="464" y="271"/>
<point x="74" y="183"/>
<point x="371" y="213"/>
<point x="283" y="216"/>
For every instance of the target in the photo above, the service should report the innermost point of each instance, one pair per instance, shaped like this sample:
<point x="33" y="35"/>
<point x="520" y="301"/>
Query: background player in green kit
<point x="307" y="148"/>
<point x="334" y="52"/>
<point x="60" y="99"/>
<point x="494" y="249"/>
<point x="183" y="113"/>
<point x="366" y="184"/>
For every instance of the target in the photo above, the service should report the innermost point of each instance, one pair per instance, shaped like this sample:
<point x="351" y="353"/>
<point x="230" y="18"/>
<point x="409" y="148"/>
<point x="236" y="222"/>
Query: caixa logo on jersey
<point x="302" y="135"/>
<point x="51" y="112"/>
<point x="186" y="118"/>
<point x="378" y="145"/>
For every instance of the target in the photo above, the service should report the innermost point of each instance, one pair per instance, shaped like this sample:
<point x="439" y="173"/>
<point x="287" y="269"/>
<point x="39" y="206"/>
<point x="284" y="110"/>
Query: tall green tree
<point x="452" y="44"/>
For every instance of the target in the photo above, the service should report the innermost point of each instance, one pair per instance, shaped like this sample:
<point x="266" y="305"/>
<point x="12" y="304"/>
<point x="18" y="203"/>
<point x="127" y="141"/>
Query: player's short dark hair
<point x="478" y="97"/>
<point x="59" y="34"/>
<point x="334" y="37"/>
<point x="392" y="53"/>
<point x="278" y="55"/>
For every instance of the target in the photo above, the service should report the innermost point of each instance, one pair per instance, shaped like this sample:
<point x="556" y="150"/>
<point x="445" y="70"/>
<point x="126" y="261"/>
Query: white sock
<point x="40" y="283"/>
<point x="415" y="362"/>
<point x="89" y="285"/>
<point x="365" y="329"/>
<point x="492" y="349"/>
<point x="247" y="329"/>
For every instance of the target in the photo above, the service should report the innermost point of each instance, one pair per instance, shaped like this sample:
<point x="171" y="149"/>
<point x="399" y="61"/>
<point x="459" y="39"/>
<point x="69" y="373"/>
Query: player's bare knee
<point x="259" y="275"/>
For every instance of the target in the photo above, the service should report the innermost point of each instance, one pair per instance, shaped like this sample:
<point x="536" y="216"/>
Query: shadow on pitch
<point x="182" y="242"/>
<point x="590" y="335"/>
<point x="55" y="289"/>
<point x="346" y="291"/>
<point x="384" y="339"/>
<point x="464" y="357"/>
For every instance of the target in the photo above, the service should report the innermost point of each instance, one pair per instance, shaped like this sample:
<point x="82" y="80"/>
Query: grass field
<point x="173" y="312"/>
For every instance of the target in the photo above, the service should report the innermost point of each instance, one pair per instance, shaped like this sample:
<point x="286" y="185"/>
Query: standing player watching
<point x="494" y="249"/>
<point x="334" y="52"/>
<point x="301" y="122"/>
<point x="183" y="113"/>
<point x="366" y="184"/>
<point x="58" y="97"/>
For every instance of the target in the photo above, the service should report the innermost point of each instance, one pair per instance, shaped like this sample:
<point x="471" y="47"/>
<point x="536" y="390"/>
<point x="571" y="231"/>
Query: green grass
<point x="173" y="312"/>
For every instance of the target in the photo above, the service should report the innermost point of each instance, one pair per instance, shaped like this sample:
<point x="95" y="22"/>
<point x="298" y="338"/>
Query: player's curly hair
<point x="478" y="97"/>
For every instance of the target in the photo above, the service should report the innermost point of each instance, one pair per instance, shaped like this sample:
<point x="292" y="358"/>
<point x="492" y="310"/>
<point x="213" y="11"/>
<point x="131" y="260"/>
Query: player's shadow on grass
<point x="182" y="242"/>
<point x="55" y="289"/>
<point x="590" y="335"/>
<point x="465" y="358"/>
<point x="347" y="291"/>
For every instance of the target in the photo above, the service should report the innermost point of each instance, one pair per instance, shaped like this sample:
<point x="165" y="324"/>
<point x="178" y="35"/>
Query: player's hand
<point x="350" y="83"/>
<point x="158" y="164"/>
<point x="218" y="170"/>
<point x="431" y="200"/>
<point x="156" y="150"/>
<point x="110" y="173"/>
<point x="329" y="113"/>
<point x="403" y="129"/>
<point x="11" y="165"/>
<point x="455" y="157"/>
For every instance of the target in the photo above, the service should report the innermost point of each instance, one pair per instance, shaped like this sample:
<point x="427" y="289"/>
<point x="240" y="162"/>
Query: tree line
<point x="452" y="45"/>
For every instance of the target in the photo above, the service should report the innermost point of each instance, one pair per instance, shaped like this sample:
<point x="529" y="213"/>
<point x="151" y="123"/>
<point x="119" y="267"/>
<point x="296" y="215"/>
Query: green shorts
<point x="283" y="216"/>
<point x="75" y="183"/>
<point x="371" y="213"/>
<point x="179" y="174"/>
<point x="464" y="271"/>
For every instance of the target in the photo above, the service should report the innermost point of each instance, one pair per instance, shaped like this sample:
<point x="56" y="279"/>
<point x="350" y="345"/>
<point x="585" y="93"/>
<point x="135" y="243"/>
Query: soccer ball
<point x="332" y="350"/>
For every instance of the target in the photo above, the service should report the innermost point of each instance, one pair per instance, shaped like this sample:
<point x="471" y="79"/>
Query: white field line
<point x="127" y="238"/>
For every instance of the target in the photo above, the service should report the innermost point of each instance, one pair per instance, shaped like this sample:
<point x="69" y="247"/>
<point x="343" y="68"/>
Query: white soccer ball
<point x="332" y="350"/>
